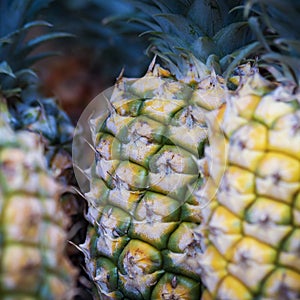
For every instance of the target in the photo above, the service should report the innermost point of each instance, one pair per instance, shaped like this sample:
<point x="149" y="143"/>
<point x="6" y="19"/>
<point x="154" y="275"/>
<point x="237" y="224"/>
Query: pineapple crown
<point x="205" y="34"/>
<point x="17" y="18"/>
<point x="276" y="24"/>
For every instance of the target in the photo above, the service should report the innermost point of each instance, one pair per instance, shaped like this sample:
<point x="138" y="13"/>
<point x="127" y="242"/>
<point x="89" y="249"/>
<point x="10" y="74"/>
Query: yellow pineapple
<point x="252" y="224"/>
<point x="252" y="213"/>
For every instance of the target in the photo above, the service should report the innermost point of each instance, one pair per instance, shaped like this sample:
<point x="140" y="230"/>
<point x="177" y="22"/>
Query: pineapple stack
<point x="159" y="228"/>
<point x="145" y="239"/>
<point x="33" y="238"/>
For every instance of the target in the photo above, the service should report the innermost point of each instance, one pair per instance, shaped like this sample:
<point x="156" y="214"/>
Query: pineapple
<point x="20" y="87"/>
<point x="145" y="240"/>
<point x="33" y="265"/>
<point x="20" y="84"/>
<point x="252" y="213"/>
<point x="252" y="223"/>
<point x="20" y="37"/>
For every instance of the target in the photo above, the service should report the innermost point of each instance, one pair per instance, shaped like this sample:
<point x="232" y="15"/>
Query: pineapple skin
<point x="252" y="220"/>
<point x="144" y="240"/>
<point x="33" y="238"/>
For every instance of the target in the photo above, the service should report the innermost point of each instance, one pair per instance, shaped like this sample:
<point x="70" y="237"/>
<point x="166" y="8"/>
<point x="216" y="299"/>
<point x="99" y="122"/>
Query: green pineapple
<point x="251" y="220"/>
<point x="145" y="239"/>
<point x="33" y="236"/>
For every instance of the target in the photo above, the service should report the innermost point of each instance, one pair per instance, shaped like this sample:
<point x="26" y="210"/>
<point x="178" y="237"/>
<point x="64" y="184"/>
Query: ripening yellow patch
<point x="279" y="166"/>
<point x="253" y="135"/>
<point x="226" y="221"/>
<point x="280" y="279"/>
<point x="250" y="249"/>
<point x="269" y="110"/>
<point x="240" y="179"/>
<point x="246" y="105"/>
<point x="233" y="289"/>
<point x="290" y="260"/>
<point x="284" y="136"/>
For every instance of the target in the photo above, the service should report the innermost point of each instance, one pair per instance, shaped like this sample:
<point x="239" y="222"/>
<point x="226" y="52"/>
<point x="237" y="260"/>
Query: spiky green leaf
<point x="6" y="69"/>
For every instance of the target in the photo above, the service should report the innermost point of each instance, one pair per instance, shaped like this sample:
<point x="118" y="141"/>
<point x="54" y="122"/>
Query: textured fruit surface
<point x="252" y="225"/>
<point x="33" y="239"/>
<point x="144" y="242"/>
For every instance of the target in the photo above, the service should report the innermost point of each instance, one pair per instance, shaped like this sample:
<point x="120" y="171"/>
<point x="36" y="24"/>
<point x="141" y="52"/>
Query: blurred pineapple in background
<point x="32" y="224"/>
<point x="23" y="42"/>
<point x="105" y="43"/>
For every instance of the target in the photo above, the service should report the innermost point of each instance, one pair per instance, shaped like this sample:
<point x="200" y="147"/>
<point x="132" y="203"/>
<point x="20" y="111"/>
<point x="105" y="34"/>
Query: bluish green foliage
<point x="17" y="18"/>
<point x="279" y="35"/>
<point x="210" y="31"/>
<point x="103" y="27"/>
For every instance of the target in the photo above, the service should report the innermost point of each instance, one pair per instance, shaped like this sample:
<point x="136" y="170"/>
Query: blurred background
<point x="104" y="43"/>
